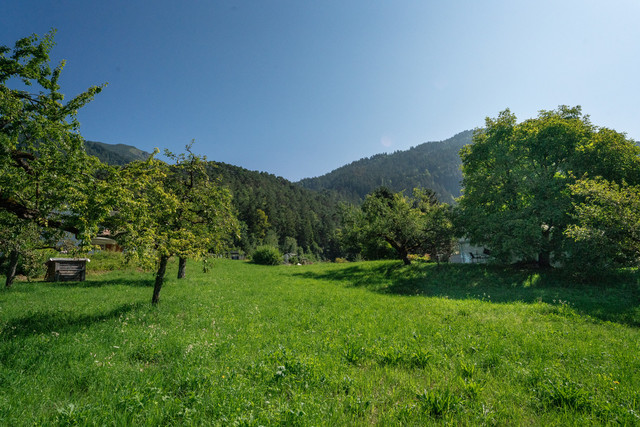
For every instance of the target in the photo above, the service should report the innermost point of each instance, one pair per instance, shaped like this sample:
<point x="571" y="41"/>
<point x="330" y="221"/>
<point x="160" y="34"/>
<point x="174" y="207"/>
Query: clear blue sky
<point x="298" y="88"/>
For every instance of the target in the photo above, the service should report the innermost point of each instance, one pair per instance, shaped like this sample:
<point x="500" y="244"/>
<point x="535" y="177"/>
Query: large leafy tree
<point x="48" y="184"/>
<point x="170" y="210"/>
<point x="516" y="179"/>
<point x="409" y="225"/>
<point x="607" y="227"/>
<point x="46" y="177"/>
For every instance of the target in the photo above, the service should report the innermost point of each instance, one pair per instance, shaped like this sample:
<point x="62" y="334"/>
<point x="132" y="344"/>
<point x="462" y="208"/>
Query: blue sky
<point x="298" y="88"/>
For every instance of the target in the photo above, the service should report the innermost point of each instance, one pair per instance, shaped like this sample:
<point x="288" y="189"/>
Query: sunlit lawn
<point x="325" y="344"/>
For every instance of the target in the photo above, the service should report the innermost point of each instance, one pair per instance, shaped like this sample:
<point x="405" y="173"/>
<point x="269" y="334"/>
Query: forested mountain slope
<point x="115" y="154"/>
<point x="271" y="207"/>
<point x="434" y="165"/>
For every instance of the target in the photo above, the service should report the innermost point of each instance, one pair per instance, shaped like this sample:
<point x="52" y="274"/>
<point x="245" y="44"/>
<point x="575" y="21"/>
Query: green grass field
<point x="327" y="344"/>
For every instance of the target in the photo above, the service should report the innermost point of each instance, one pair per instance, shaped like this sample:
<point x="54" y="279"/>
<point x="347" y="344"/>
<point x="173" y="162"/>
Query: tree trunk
<point x="11" y="268"/>
<point x="162" y="268"/>
<point x="405" y="257"/>
<point x="182" y="268"/>
<point x="544" y="259"/>
<point x="401" y="250"/>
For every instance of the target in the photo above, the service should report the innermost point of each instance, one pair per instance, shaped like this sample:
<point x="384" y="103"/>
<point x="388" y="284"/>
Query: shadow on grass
<point x="95" y="282"/>
<point x="92" y="282"/>
<point x="46" y="322"/>
<point x="615" y="298"/>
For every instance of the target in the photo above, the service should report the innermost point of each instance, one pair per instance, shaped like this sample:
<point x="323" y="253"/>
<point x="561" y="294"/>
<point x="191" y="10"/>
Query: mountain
<point x="434" y="165"/>
<point x="271" y="208"/>
<point x="115" y="154"/>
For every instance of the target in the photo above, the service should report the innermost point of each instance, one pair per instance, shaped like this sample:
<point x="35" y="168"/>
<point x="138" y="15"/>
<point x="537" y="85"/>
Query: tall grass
<point x="326" y="344"/>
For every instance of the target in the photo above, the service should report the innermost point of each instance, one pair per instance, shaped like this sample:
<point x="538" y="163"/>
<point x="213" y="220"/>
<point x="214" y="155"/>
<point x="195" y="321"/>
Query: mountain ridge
<point x="434" y="165"/>
<point x="115" y="154"/>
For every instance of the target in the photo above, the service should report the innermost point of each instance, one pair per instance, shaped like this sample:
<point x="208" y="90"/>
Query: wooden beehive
<point x="66" y="269"/>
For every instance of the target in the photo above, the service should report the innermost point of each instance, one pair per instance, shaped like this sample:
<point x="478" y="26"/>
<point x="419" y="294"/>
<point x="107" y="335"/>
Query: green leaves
<point x="165" y="210"/>
<point x="46" y="177"/>
<point x="517" y="178"/>
<point x="607" y="227"/>
<point x="414" y="225"/>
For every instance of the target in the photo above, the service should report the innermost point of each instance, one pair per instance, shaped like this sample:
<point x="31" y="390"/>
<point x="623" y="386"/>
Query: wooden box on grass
<point x="66" y="269"/>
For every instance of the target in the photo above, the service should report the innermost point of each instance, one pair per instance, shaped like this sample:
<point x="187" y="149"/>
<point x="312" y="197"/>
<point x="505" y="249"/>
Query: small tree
<point x="414" y="225"/>
<point x="205" y="206"/>
<point x="170" y="210"/>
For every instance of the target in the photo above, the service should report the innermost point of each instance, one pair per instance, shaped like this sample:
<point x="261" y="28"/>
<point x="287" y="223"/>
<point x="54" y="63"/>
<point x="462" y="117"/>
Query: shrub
<point x="106" y="261"/>
<point x="267" y="255"/>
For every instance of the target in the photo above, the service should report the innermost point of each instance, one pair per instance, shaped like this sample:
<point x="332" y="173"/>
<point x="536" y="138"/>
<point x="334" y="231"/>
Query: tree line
<point x="275" y="212"/>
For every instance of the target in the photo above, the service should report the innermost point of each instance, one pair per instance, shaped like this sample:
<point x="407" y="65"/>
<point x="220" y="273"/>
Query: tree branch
<point x="21" y="159"/>
<point x="23" y="212"/>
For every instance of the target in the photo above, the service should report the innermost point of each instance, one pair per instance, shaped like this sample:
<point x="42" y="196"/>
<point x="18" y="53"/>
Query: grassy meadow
<point x="372" y="343"/>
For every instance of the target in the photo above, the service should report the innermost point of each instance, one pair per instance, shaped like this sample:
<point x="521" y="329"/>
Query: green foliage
<point x="48" y="184"/>
<point x="45" y="175"/>
<point x="517" y="198"/>
<point x="607" y="225"/>
<point x="267" y="255"/>
<point x="102" y="261"/>
<point x="270" y="209"/>
<point x="168" y="210"/>
<point x="414" y="225"/>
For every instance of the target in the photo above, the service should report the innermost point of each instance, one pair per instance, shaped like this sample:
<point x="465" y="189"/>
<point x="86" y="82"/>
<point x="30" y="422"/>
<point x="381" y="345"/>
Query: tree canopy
<point x="607" y="224"/>
<point x="46" y="177"/>
<point x="170" y="210"/>
<point x="48" y="183"/>
<point x="409" y="225"/>
<point x="517" y="199"/>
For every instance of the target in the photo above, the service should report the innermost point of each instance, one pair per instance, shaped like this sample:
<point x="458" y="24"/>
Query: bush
<point x="106" y="261"/>
<point x="267" y="255"/>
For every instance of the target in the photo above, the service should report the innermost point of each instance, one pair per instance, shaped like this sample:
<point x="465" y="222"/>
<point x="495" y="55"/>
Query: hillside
<point x="292" y="212"/>
<point x="115" y="154"/>
<point x="434" y="165"/>
<point x="271" y="209"/>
